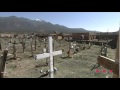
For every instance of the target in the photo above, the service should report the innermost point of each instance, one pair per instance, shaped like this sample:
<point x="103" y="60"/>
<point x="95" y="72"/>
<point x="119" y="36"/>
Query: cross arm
<point x="46" y="55"/>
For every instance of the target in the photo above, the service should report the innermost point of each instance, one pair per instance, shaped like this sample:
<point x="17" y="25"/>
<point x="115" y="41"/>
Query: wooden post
<point x="39" y="41"/>
<point x="45" y="47"/>
<point x="31" y="47"/>
<point x="25" y="39"/>
<point x="101" y="48"/>
<point x="51" y="57"/>
<point x="0" y="46"/>
<point x="19" y="39"/>
<point x="45" y="44"/>
<point x="60" y="42"/>
<point x="23" y="45"/>
<point x="45" y="51"/>
<point x="35" y="43"/>
<point x="2" y="63"/>
<point x="10" y="39"/>
<point x="69" y="51"/>
<point x="84" y="44"/>
<point x="14" y="50"/>
<point x="117" y="57"/>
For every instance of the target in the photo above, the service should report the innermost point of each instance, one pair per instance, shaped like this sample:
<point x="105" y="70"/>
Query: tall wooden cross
<point x="111" y="64"/>
<point x="2" y="63"/>
<point x="14" y="49"/>
<point x="50" y="55"/>
<point x="0" y="44"/>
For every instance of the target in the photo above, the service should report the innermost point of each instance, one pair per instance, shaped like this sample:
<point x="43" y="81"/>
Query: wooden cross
<point x="45" y="50"/>
<point x="23" y="45"/>
<point x="50" y="55"/>
<point x="111" y="64"/>
<point x="35" y="43"/>
<point x="31" y="47"/>
<point x="14" y="49"/>
<point x="2" y="63"/>
<point x="0" y="46"/>
<point x="39" y="41"/>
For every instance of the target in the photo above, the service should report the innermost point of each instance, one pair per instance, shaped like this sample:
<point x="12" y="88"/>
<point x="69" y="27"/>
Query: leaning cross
<point x="50" y="55"/>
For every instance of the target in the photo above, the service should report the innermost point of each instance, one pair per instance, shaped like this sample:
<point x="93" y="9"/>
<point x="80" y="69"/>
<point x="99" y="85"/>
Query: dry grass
<point x="77" y="67"/>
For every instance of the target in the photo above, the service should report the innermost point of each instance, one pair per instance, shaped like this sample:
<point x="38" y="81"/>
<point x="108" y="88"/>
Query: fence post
<point x="35" y="43"/>
<point x="117" y="57"/>
<point x="0" y="46"/>
<point x="31" y="48"/>
<point x="2" y="63"/>
<point x="14" y="50"/>
<point x="23" y="45"/>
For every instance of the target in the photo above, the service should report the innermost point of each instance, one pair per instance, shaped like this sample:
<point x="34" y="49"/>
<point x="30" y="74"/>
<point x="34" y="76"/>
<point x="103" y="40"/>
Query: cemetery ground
<point x="25" y="66"/>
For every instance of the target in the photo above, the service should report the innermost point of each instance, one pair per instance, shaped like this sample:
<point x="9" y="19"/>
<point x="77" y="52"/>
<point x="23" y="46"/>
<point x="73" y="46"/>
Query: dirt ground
<point x="79" y="66"/>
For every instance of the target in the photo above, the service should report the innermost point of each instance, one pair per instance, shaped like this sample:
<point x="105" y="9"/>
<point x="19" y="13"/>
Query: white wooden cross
<point x="50" y="55"/>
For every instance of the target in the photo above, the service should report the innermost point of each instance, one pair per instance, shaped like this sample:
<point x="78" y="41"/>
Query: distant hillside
<point x="19" y="24"/>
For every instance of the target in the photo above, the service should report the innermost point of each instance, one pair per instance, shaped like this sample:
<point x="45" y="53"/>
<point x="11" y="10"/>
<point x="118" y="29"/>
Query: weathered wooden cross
<point x="2" y="63"/>
<point x="14" y="50"/>
<point x="50" y="55"/>
<point x="35" y="43"/>
<point x="0" y="46"/>
<point x="111" y="64"/>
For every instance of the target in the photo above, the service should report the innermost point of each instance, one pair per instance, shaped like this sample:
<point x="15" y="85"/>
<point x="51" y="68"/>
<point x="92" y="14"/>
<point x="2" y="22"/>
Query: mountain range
<point x="20" y="25"/>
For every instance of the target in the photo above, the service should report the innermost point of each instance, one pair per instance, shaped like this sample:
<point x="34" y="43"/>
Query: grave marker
<point x="31" y="47"/>
<point x="0" y="44"/>
<point x="104" y="50"/>
<point x="14" y="50"/>
<point x="2" y="63"/>
<point x="23" y="45"/>
<point x="35" y="43"/>
<point x="50" y="55"/>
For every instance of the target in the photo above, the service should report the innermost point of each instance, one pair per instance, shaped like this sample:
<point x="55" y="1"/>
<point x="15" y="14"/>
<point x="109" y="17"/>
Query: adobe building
<point x="106" y="35"/>
<point x="2" y="35"/>
<point x="87" y="36"/>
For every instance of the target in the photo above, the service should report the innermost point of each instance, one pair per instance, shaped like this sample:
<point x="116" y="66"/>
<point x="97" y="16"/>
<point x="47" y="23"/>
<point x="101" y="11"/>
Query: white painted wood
<point x="57" y="53"/>
<point x="50" y="48"/>
<point x="72" y="47"/>
<point x="42" y="56"/>
<point x="50" y="55"/>
<point x="46" y="55"/>
<point x="44" y="50"/>
<point x="9" y="54"/>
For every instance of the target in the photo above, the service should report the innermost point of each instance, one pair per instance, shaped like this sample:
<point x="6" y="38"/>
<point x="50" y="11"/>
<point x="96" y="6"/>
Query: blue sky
<point x="99" y="21"/>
